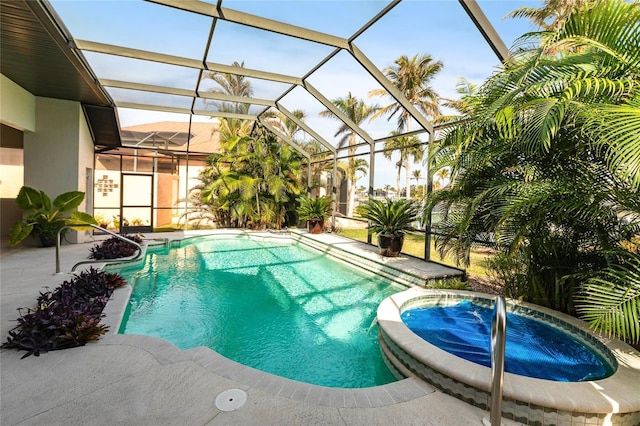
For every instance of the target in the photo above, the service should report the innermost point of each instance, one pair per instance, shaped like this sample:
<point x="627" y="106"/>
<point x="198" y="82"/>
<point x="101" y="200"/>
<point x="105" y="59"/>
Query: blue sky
<point x="440" y="28"/>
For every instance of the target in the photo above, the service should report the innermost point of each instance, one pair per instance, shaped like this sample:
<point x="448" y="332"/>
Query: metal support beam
<point x="129" y="52"/>
<point x="282" y="136"/>
<point x="306" y="128"/>
<point x="390" y="88"/>
<point x="334" y="195"/>
<point x="335" y="111"/>
<point x="372" y="164"/>
<point x="486" y="29"/>
<point x="255" y="21"/>
<point x="248" y="72"/>
<point x="427" y="229"/>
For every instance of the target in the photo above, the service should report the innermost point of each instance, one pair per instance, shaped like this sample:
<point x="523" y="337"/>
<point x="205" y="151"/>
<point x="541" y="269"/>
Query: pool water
<point x="533" y="348"/>
<point x="275" y="306"/>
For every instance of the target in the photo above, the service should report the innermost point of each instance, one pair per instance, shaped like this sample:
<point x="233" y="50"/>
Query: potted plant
<point x="46" y="218"/>
<point x="390" y="220"/>
<point x="314" y="211"/>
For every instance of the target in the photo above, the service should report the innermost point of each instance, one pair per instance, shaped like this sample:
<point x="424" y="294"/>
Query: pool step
<point x="365" y="261"/>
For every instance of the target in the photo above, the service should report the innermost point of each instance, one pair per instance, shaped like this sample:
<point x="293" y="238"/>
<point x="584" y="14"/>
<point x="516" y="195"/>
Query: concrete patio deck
<point x="140" y="380"/>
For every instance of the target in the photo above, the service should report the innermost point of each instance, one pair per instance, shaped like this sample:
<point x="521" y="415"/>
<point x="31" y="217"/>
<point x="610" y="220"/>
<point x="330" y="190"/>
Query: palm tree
<point x="253" y="182"/>
<point x="412" y="76"/>
<point x="409" y="147"/>
<point x="387" y="189"/>
<point x="442" y="175"/>
<point x="552" y="15"/>
<point x="288" y="127"/>
<point x="546" y="162"/>
<point x="231" y="84"/>
<point x="357" y="111"/>
<point x="353" y="167"/>
<point x="417" y="175"/>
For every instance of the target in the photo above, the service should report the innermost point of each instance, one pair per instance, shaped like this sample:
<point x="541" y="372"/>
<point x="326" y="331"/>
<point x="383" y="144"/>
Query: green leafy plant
<point x="610" y="301"/>
<point x="314" y="207"/>
<point x="449" y="284"/>
<point x="46" y="218"/>
<point x="390" y="218"/>
<point x="66" y="317"/>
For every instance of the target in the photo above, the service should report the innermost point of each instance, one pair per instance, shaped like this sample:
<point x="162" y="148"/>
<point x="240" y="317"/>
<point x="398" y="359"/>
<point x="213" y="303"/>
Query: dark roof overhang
<point x="36" y="55"/>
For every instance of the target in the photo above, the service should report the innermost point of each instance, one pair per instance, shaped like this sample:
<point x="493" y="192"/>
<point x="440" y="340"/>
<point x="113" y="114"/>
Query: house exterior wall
<point x="58" y="153"/>
<point x="17" y="106"/>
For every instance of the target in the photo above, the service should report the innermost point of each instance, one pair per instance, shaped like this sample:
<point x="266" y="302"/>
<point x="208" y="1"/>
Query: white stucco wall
<point x="17" y="106"/>
<point x="58" y="153"/>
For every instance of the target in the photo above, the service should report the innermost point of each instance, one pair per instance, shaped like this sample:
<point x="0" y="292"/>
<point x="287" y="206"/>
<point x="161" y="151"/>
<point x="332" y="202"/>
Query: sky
<point x="439" y="28"/>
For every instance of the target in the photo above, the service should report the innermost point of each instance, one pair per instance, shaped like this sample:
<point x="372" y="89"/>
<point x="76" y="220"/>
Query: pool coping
<point x="405" y="389"/>
<point x="617" y="393"/>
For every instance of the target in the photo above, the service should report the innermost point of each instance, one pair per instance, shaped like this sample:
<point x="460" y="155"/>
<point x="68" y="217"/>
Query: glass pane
<point x="137" y="190"/>
<point x="150" y="98"/>
<point x="106" y="191"/>
<point x="11" y="172"/>
<point x="137" y="163"/>
<point x="342" y="78"/>
<point x="135" y="216"/>
<point x="326" y="125"/>
<point x="262" y="89"/>
<point x="172" y="136"/>
<point x="441" y="29"/>
<point x="264" y="50"/>
<point x="136" y="24"/>
<point x="140" y="71"/>
<point x="509" y="29"/>
<point x="340" y="18"/>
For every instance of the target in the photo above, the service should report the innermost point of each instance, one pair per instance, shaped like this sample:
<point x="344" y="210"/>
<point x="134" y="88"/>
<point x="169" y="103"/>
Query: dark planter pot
<point x="315" y="226"/>
<point x="47" y="237"/>
<point x="390" y="245"/>
<point x="47" y="240"/>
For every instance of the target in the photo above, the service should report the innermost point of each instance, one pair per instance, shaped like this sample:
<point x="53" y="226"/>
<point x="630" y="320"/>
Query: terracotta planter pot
<point x="390" y="245"/>
<point x="315" y="226"/>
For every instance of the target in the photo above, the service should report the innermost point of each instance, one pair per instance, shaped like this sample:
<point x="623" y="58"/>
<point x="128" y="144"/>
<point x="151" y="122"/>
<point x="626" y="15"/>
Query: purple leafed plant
<point x="66" y="317"/>
<point x="115" y="248"/>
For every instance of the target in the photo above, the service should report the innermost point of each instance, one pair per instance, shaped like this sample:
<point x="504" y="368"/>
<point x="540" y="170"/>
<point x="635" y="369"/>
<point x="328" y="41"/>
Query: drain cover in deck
<point x="231" y="399"/>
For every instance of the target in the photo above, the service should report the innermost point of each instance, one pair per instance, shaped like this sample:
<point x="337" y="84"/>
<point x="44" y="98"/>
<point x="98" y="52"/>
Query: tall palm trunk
<point x="408" y="183"/>
<point x="399" y="167"/>
<point x="351" y="187"/>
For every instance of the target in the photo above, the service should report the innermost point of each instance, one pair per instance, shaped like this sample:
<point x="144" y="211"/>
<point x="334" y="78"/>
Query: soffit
<point x="36" y="56"/>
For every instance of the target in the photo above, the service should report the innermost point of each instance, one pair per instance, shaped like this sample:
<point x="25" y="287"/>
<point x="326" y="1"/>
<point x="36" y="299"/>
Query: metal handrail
<point x="79" y="225"/>
<point x="498" y="343"/>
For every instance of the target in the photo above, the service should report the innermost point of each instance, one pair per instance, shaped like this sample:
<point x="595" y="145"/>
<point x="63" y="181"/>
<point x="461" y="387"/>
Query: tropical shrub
<point x="66" y="317"/>
<point x="545" y="161"/>
<point x="313" y="207"/>
<point x="46" y="218"/>
<point x="390" y="217"/>
<point x="449" y="284"/>
<point x="252" y="183"/>
<point x="610" y="301"/>
<point x="115" y="248"/>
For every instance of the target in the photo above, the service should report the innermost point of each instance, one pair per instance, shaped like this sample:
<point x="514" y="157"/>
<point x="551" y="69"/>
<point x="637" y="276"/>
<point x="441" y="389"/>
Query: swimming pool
<point x="267" y="303"/>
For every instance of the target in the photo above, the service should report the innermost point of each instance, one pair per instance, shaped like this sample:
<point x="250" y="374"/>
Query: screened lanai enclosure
<point x="317" y="77"/>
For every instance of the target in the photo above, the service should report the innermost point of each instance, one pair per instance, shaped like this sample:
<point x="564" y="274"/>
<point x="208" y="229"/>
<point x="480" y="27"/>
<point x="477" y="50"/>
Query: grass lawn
<point x="414" y="245"/>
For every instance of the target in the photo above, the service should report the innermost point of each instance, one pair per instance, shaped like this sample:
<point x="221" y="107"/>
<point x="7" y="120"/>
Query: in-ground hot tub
<point x="611" y="400"/>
